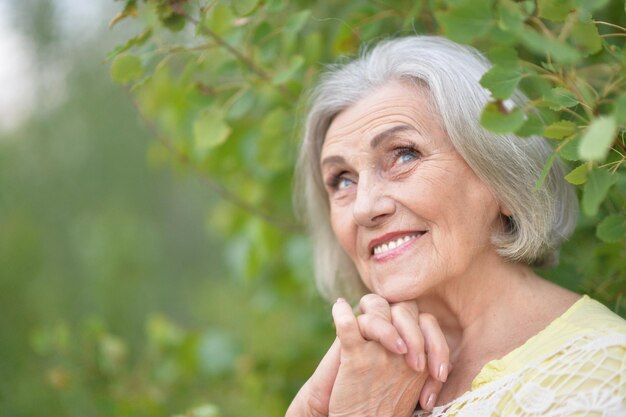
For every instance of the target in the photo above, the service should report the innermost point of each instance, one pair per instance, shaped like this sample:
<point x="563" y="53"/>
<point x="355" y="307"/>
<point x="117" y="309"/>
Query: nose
<point x="372" y="205"/>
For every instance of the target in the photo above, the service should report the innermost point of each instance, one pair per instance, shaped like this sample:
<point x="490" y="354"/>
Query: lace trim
<point x="587" y="376"/>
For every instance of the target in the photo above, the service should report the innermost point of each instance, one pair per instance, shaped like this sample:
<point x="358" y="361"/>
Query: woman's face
<point x="404" y="205"/>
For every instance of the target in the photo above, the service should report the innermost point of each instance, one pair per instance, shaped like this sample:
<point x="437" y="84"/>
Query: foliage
<point x="221" y="84"/>
<point x="221" y="94"/>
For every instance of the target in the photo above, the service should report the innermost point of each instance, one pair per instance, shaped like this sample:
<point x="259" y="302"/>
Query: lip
<point x="388" y="237"/>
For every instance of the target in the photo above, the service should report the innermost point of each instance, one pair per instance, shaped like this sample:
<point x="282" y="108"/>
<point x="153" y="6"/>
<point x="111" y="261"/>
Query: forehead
<point x="394" y="103"/>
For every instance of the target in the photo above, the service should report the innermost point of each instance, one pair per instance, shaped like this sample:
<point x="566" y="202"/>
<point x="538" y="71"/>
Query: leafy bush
<point x="221" y="86"/>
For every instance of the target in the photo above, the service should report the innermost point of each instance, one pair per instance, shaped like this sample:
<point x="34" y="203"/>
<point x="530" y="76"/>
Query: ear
<point x="505" y="210"/>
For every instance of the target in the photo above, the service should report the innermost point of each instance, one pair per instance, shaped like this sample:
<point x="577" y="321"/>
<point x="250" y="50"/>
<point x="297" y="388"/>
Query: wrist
<point x="303" y="405"/>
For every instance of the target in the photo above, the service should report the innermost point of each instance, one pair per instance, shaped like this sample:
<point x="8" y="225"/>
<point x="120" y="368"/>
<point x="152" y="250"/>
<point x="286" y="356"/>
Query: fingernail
<point x="341" y="300"/>
<point x="421" y="362"/>
<point x="443" y="372"/>
<point x="431" y="401"/>
<point x="401" y="346"/>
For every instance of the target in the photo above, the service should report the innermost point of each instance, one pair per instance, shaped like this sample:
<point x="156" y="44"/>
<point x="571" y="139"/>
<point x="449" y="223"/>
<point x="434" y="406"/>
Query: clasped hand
<point x="381" y="362"/>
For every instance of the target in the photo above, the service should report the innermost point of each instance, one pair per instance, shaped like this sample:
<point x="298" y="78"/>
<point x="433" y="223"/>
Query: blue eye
<point x="344" y="182"/>
<point x="406" y="154"/>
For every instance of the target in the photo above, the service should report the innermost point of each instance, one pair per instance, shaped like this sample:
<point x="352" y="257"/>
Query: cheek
<point x="344" y="232"/>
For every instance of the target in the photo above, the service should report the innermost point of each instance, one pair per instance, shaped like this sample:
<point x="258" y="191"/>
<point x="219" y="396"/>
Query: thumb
<point x="321" y="383"/>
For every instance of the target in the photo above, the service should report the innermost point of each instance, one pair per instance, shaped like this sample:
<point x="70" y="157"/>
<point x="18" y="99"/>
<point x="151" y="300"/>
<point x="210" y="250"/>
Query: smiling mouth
<point x="389" y="246"/>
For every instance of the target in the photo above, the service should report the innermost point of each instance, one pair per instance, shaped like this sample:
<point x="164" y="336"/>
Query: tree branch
<point x="213" y="184"/>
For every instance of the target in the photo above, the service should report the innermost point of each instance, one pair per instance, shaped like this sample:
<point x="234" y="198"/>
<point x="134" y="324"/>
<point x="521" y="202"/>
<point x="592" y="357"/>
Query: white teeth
<point x="386" y="247"/>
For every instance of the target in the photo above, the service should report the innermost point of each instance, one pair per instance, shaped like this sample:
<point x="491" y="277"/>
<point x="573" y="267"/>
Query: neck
<point x="493" y="300"/>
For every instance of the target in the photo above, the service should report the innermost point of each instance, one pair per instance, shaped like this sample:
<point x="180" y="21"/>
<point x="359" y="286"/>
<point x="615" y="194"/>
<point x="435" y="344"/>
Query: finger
<point x="381" y="331"/>
<point x="436" y="347"/>
<point x="430" y="392"/>
<point x="321" y="383"/>
<point x="405" y="318"/>
<point x="376" y="305"/>
<point x="346" y="324"/>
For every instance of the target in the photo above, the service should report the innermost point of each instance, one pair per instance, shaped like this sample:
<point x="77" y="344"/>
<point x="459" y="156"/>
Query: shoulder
<point x="592" y="319"/>
<point x="579" y="366"/>
<point x="587" y="331"/>
<point x="588" y="366"/>
<point x="575" y="366"/>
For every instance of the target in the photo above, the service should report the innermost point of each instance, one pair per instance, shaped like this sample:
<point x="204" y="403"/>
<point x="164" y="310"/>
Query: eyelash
<point x="334" y="181"/>
<point x="405" y="150"/>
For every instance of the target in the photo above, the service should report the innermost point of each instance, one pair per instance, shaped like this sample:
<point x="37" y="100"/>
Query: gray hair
<point x="541" y="219"/>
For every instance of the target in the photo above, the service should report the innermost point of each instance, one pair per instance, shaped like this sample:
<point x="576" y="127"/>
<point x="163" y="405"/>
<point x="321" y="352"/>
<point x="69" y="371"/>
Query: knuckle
<point x="428" y="319"/>
<point x="365" y="322"/>
<point x="343" y="323"/>
<point x="388" y="332"/>
<point x="408" y="309"/>
<point x="373" y="301"/>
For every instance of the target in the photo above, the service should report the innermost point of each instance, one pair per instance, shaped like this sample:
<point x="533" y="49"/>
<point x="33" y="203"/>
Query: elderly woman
<point x="414" y="204"/>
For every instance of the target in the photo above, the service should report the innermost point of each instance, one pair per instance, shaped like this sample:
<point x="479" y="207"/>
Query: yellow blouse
<point x="576" y="366"/>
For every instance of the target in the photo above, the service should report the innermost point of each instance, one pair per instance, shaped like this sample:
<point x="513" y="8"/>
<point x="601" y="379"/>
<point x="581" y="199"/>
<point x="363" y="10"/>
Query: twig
<point x="573" y="113"/>
<point x="610" y="24"/>
<point x="214" y="185"/>
<point x="540" y="25"/>
<point x="238" y="54"/>
<point x="613" y="35"/>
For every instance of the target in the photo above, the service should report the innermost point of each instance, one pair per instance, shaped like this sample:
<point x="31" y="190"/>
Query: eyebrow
<point x="374" y="143"/>
<point x="335" y="159"/>
<point x="388" y="134"/>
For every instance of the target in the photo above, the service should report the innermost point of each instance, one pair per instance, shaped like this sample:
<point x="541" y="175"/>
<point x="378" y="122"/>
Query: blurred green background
<point x="115" y="297"/>
<point x="128" y="287"/>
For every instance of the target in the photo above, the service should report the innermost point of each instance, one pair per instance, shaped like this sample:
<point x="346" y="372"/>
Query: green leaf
<point x="578" y="175"/>
<point x="276" y="6"/>
<point x="501" y="81"/>
<point x="569" y="148"/>
<point x="510" y="17"/>
<point x="592" y="5"/>
<point x="313" y="48"/>
<point x="134" y="41"/>
<point x="612" y="228"/>
<point x="545" y="171"/>
<point x="599" y="181"/>
<point x="296" y="22"/>
<point x="130" y="10"/>
<point x="262" y="32"/>
<point x="558" y="98"/>
<point x="496" y="119"/>
<point x="589" y="97"/>
<point x="540" y="44"/>
<point x="528" y="6"/>
<point x="586" y="37"/>
<point x="556" y="10"/>
<point x="620" y="108"/>
<point x="244" y="7"/>
<point x="467" y="20"/>
<point x="295" y="64"/>
<point x="532" y="126"/>
<point x="560" y="129"/>
<point x="271" y="152"/>
<point x="174" y="22"/>
<point x="126" y="68"/>
<point x="503" y="56"/>
<point x="598" y="139"/>
<point x="209" y="130"/>
<point x="220" y="19"/>
<point x="241" y="106"/>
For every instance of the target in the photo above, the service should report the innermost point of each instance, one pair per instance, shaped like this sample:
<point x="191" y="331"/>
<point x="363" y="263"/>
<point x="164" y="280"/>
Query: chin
<point x="394" y="291"/>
